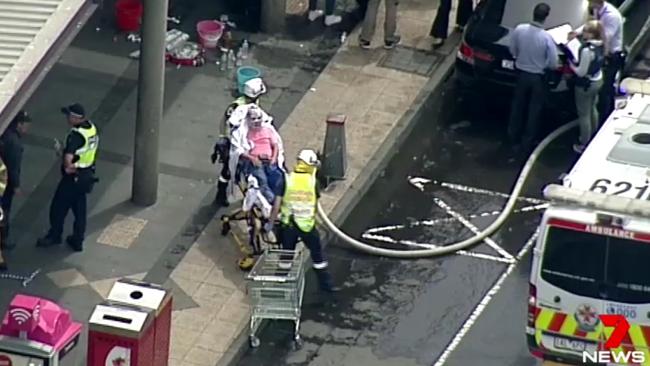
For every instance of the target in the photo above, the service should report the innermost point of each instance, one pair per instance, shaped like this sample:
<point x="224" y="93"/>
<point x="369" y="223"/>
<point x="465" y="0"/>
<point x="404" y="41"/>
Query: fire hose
<point x="461" y="245"/>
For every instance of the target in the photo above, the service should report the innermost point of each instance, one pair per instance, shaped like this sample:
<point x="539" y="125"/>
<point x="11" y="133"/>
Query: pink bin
<point x="210" y="32"/>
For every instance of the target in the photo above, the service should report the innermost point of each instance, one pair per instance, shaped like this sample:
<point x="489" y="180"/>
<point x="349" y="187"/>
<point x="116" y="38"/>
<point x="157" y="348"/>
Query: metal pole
<point x="151" y="86"/>
<point x="273" y="16"/>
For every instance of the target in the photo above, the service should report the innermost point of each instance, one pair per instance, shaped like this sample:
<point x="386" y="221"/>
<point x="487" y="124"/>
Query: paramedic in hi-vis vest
<point x="77" y="180"/>
<point x="296" y="200"/>
<point x="588" y="69"/>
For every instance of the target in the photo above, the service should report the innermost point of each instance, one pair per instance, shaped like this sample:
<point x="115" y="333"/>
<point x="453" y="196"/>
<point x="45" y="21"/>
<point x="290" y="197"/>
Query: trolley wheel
<point x="297" y="343"/>
<point x="245" y="264"/>
<point x="225" y="225"/>
<point x="254" y="341"/>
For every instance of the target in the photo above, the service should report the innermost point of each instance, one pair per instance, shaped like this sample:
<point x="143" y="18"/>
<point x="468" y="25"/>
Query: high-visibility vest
<point x="299" y="201"/>
<point x="88" y="151"/>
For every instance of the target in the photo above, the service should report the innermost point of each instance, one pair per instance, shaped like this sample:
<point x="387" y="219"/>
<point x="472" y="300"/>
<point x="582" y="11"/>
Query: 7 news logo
<point x="621" y="327"/>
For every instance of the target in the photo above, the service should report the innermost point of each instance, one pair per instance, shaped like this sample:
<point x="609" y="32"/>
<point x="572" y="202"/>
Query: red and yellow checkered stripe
<point x="547" y="320"/>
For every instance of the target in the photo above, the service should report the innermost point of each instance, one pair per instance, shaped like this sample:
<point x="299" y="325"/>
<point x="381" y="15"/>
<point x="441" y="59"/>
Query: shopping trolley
<point x="276" y="285"/>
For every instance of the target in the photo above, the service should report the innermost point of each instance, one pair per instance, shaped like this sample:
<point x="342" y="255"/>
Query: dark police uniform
<point x="82" y="142"/>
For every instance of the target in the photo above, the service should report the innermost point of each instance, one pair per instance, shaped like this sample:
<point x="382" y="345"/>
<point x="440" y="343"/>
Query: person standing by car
<point x="11" y="152"/>
<point x="588" y="81"/>
<point x="612" y="21"/>
<point x="535" y="52"/>
<point x="440" y="27"/>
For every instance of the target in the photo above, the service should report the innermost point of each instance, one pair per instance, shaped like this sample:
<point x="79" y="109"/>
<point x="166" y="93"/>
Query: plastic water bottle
<point x="232" y="59"/>
<point x="344" y="36"/>
<point x="245" y="47"/>
<point x="224" y="60"/>
<point x="239" y="58"/>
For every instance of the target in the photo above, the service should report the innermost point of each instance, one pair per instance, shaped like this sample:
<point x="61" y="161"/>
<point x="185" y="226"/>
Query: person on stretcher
<point x="259" y="151"/>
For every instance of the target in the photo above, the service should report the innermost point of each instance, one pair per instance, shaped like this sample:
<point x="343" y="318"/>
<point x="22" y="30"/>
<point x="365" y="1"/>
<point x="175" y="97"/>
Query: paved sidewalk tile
<point x="67" y="278"/>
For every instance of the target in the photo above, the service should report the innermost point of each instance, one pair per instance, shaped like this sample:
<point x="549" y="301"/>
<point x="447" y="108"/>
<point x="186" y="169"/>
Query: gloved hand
<point x="214" y="157"/>
<point x="268" y="227"/>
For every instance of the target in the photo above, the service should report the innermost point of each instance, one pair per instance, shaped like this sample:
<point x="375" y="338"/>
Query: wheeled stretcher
<point x="254" y="211"/>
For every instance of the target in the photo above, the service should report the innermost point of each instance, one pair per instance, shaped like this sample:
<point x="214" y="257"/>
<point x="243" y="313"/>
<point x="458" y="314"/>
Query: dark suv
<point x="484" y="56"/>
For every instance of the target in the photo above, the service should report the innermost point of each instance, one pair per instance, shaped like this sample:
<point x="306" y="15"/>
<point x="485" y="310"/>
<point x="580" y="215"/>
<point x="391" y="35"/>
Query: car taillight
<point x="532" y="305"/>
<point x="466" y="53"/>
<point x="483" y="56"/>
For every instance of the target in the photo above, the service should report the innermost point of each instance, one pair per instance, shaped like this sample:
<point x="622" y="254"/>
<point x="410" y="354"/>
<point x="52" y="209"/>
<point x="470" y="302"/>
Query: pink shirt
<point x="263" y="140"/>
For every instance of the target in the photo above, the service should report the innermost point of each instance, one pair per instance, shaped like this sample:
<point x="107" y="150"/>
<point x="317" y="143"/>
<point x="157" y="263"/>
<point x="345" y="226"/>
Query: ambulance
<point x="592" y="255"/>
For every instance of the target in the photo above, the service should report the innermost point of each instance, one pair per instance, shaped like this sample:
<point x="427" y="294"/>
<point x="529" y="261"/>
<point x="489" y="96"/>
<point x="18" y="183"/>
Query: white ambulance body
<point x="592" y="256"/>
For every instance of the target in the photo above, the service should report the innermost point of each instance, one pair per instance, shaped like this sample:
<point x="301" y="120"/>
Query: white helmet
<point x="253" y="88"/>
<point x="309" y="157"/>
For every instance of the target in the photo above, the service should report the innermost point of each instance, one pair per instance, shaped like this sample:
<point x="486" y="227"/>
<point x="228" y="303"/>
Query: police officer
<point x="295" y="202"/>
<point x="253" y="90"/>
<point x="612" y="21"/>
<point x="78" y="179"/>
<point x="11" y="152"/>
<point x="535" y="52"/>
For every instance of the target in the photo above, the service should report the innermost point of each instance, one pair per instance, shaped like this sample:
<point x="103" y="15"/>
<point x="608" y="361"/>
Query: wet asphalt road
<point x="398" y="312"/>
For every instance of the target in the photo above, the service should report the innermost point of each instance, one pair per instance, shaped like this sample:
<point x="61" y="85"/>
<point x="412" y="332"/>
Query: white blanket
<point x="255" y="198"/>
<point x="239" y="143"/>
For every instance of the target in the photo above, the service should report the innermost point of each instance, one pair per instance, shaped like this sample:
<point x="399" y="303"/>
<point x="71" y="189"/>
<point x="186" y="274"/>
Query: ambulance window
<point x="628" y="272"/>
<point x="574" y="261"/>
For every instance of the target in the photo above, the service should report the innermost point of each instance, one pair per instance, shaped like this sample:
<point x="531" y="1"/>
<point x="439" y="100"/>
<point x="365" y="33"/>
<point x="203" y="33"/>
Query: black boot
<point x="324" y="280"/>
<point x="222" y="195"/>
<point x="74" y="243"/>
<point x="47" y="241"/>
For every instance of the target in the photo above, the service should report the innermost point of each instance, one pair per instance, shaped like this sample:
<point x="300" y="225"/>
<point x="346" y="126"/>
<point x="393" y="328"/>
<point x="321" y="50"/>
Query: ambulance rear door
<point x="568" y="286"/>
<point x="597" y="268"/>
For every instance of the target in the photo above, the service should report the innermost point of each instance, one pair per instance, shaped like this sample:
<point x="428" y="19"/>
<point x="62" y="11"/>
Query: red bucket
<point x="210" y="32"/>
<point x="128" y="15"/>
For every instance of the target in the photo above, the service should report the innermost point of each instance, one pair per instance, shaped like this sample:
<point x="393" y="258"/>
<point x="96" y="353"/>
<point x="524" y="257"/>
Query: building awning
<point x="33" y="35"/>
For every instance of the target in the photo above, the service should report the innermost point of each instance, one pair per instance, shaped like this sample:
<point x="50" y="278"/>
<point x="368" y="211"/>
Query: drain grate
<point x="411" y="60"/>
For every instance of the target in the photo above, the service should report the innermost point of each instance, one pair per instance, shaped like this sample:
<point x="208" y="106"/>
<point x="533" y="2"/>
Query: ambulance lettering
<point x="621" y="188"/>
<point x="610" y="231"/>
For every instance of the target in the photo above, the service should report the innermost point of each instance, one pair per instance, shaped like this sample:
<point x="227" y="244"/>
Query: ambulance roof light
<point x="636" y="86"/>
<point x="597" y="201"/>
